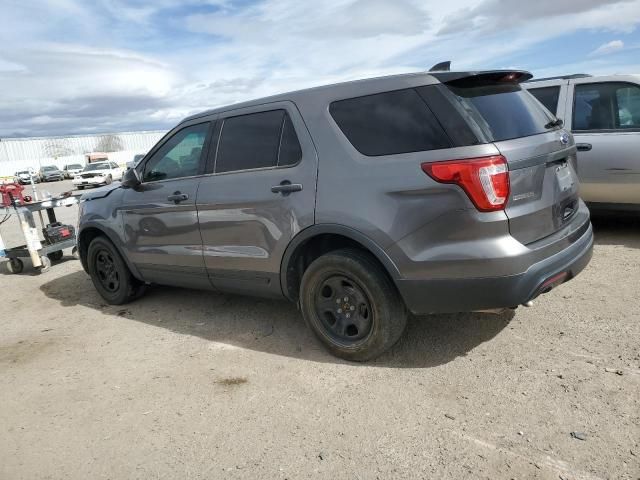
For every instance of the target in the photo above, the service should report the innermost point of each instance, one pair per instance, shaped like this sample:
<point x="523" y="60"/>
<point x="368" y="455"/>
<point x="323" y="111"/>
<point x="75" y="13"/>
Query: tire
<point x="80" y="187"/>
<point x="351" y="304"/>
<point x="109" y="273"/>
<point x="55" y="256"/>
<point x="15" y="265"/>
<point x="108" y="180"/>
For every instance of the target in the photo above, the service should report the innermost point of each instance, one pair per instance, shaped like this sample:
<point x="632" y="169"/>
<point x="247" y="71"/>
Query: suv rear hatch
<point x="493" y="108"/>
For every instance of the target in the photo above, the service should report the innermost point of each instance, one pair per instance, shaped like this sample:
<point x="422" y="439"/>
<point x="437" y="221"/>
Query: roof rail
<point x="560" y="77"/>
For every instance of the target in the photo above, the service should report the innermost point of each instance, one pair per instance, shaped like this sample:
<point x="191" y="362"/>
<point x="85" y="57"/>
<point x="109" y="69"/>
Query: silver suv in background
<point x="360" y="201"/>
<point x="603" y="113"/>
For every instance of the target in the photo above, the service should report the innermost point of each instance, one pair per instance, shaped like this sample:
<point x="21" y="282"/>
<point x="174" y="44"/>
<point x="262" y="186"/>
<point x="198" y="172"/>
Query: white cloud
<point x="609" y="47"/>
<point x="143" y="63"/>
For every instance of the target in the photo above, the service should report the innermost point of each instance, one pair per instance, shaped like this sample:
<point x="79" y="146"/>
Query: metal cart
<point x="40" y="251"/>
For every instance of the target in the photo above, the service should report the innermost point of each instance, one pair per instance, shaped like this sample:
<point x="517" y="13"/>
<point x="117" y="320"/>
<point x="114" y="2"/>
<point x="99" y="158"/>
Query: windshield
<point x="74" y="166"/>
<point x="501" y="111"/>
<point x="96" y="166"/>
<point x="23" y="173"/>
<point x="49" y="169"/>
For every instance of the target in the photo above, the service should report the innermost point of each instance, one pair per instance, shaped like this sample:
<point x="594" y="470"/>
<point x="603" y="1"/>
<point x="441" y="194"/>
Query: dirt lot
<point x="186" y="384"/>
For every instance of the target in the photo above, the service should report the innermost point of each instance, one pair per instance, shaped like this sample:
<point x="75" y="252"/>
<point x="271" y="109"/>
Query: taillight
<point x="484" y="179"/>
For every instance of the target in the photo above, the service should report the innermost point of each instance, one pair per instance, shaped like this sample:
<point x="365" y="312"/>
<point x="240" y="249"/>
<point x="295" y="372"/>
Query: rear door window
<point x="547" y="96"/>
<point x="503" y="111"/>
<point x="257" y="140"/>
<point x="389" y="123"/>
<point x="606" y="106"/>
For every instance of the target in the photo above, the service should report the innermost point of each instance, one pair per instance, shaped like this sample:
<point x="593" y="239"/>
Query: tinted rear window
<point x="290" y="150"/>
<point x="257" y="140"/>
<point x="547" y="96"/>
<point x="249" y="141"/>
<point x="389" y="123"/>
<point x="501" y="111"/>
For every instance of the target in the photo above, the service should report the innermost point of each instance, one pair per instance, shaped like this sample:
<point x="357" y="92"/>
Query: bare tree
<point x="57" y="147"/>
<point x="109" y="143"/>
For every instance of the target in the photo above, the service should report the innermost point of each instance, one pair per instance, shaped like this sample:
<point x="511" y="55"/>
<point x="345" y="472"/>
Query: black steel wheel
<point x="106" y="271"/>
<point x="352" y="305"/>
<point x="344" y="309"/>
<point x="110" y="274"/>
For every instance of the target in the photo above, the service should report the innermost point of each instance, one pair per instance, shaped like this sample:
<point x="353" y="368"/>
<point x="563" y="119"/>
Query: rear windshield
<point x="501" y="111"/>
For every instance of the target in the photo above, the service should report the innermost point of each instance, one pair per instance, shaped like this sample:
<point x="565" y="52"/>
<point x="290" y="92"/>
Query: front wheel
<point x="352" y="305"/>
<point x="110" y="275"/>
<point x="108" y="180"/>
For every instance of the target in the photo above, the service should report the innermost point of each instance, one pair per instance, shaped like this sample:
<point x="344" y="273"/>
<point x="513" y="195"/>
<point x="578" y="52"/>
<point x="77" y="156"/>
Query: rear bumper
<point x="469" y="294"/>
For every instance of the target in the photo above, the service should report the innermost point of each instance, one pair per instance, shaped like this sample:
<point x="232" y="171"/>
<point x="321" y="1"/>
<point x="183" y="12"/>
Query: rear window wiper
<point x="554" y="123"/>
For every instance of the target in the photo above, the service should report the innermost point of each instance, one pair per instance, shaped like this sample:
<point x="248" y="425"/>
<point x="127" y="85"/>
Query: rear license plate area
<point x="564" y="177"/>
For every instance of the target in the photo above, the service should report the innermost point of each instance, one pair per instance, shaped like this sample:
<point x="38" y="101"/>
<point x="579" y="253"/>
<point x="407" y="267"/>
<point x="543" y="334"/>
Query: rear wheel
<point x="15" y="265"/>
<point x="110" y="275"/>
<point x="352" y="305"/>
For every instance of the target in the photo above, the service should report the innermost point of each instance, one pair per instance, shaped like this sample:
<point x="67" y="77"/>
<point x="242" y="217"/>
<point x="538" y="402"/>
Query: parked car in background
<point x="71" y="170"/>
<point x="360" y="201"/>
<point x="99" y="173"/>
<point x="50" y="173"/>
<point x="603" y="113"/>
<point x="94" y="157"/>
<point x="24" y="177"/>
<point x="136" y="159"/>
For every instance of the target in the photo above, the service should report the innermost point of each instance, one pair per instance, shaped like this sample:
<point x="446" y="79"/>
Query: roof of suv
<point x="390" y="82"/>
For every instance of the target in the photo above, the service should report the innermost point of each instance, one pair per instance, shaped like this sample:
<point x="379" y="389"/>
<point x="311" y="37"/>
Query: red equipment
<point x="9" y="190"/>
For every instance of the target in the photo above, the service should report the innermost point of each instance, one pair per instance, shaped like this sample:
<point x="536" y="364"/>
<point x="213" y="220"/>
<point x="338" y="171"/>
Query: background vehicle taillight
<point x="485" y="179"/>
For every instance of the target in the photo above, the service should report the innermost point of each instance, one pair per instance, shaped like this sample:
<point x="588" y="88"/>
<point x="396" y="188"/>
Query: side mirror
<point x="131" y="178"/>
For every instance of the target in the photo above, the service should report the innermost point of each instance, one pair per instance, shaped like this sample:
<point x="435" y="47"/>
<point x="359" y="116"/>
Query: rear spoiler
<point x="483" y="77"/>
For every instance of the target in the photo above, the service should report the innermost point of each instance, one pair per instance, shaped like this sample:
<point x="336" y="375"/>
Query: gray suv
<point x="361" y="202"/>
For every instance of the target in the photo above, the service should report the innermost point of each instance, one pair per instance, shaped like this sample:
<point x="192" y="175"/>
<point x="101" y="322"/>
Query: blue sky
<point x="71" y="66"/>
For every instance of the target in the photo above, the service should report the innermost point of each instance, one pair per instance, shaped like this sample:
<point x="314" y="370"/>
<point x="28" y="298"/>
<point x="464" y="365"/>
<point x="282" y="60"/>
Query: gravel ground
<point x="187" y="384"/>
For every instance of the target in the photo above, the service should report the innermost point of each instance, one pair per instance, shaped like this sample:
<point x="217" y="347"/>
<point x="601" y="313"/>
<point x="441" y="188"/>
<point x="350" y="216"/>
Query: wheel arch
<point x="316" y="240"/>
<point x="93" y="230"/>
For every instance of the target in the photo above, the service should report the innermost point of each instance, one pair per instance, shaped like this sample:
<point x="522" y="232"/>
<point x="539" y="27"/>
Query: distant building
<point x="22" y="153"/>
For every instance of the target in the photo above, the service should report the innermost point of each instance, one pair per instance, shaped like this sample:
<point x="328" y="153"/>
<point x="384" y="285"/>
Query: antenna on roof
<point x="441" y="67"/>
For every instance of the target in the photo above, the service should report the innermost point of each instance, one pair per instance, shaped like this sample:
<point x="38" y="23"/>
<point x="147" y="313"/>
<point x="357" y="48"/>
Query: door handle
<point x="583" y="147"/>
<point x="178" y="197"/>
<point x="286" y="187"/>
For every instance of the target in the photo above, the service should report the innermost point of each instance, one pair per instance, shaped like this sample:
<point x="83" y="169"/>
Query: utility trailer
<point x="41" y="251"/>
